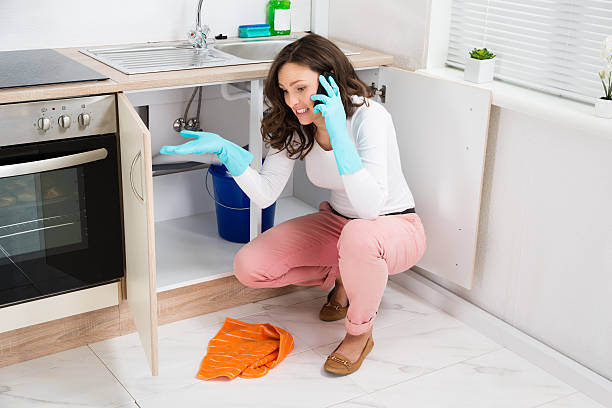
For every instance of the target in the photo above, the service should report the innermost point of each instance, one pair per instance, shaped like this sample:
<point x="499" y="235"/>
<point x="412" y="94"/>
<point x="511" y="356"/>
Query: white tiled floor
<point x="422" y="358"/>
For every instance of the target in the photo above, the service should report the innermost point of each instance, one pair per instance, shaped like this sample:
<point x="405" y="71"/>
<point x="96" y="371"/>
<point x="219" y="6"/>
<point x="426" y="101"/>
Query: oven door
<point x="60" y="220"/>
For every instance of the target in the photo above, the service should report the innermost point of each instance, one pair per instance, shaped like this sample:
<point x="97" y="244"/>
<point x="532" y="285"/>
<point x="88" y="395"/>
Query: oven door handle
<point x="38" y="166"/>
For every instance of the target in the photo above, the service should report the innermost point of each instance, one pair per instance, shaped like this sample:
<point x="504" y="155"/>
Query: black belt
<point x="407" y="211"/>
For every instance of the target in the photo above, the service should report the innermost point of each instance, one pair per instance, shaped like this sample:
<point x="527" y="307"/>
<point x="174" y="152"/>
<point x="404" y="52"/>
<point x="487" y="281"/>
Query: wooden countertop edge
<point x="119" y="82"/>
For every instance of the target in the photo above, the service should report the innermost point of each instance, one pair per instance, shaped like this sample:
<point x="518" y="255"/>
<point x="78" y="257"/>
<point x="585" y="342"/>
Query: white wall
<point x="75" y="23"/>
<point x="393" y="26"/>
<point x="544" y="258"/>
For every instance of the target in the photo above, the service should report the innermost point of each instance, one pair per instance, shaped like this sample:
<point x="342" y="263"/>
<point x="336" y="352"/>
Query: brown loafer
<point x="338" y="364"/>
<point x="331" y="310"/>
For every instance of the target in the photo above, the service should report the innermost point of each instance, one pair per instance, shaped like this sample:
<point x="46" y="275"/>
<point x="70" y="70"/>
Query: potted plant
<point x="480" y="66"/>
<point x="603" y="106"/>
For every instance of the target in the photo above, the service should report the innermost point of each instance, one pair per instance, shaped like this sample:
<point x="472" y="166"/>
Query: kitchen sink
<point x="174" y="56"/>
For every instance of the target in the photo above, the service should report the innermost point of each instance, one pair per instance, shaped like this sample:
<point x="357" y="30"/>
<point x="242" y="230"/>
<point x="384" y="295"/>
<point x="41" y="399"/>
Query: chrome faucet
<point x="198" y="37"/>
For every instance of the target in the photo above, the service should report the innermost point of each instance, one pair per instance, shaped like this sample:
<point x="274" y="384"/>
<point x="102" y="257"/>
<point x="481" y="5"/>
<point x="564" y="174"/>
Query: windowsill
<point x="561" y="111"/>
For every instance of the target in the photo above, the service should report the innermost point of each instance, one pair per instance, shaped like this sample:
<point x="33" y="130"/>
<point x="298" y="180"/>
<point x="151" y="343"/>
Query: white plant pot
<point x="479" y="71"/>
<point x="603" y="108"/>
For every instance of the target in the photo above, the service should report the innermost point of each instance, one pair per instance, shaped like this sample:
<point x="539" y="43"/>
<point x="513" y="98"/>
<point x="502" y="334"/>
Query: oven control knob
<point x="84" y="119"/>
<point x="44" y="124"/>
<point x="64" y="121"/>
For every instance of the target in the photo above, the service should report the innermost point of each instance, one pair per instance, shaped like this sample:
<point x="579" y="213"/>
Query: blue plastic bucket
<point x="232" y="207"/>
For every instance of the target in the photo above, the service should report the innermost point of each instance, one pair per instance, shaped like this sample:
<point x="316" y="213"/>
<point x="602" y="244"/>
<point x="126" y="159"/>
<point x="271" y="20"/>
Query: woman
<point x="369" y="228"/>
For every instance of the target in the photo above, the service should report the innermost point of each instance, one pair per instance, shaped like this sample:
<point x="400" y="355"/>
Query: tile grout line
<point x="364" y="394"/>
<point x="445" y="367"/>
<point x="556" y="399"/>
<point x="113" y="374"/>
<point x="436" y="370"/>
<point x="419" y="376"/>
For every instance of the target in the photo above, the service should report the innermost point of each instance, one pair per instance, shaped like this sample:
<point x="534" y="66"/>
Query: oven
<point x="60" y="206"/>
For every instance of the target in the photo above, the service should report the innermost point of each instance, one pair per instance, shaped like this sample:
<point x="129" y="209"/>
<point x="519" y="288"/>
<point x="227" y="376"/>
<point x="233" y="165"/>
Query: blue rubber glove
<point x="345" y="152"/>
<point x="234" y="157"/>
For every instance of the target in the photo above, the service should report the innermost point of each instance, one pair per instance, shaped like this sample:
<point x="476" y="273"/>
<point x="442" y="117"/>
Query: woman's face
<point x="298" y="83"/>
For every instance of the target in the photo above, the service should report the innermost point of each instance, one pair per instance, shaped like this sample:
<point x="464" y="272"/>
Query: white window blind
<point x="553" y="46"/>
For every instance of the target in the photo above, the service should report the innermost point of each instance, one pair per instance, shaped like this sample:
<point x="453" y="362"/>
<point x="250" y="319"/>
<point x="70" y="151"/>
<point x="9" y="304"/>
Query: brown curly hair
<point x="319" y="54"/>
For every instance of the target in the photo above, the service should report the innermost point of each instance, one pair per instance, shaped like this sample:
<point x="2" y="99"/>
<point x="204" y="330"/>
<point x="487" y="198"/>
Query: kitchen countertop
<point x="121" y="82"/>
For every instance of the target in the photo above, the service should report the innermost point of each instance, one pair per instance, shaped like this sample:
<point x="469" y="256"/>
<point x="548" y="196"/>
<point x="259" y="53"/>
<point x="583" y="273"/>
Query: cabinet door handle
<point x="138" y="155"/>
<point x="56" y="163"/>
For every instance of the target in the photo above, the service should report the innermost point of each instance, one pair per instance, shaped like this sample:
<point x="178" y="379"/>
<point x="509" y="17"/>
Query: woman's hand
<point x="234" y="157"/>
<point x="331" y="108"/>
<point x="345" y="152"/>
<point x="204" y="142"/>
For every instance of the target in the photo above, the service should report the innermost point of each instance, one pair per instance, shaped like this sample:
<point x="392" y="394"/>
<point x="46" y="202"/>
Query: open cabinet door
<point x="137" y="180"/>
<point x="442" y="131"/>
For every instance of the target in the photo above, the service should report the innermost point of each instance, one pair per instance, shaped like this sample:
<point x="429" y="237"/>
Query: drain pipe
<point x="225" y="93"/>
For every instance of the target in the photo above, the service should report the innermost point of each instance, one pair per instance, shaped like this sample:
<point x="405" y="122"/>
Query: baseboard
<point x="565" y="369"/>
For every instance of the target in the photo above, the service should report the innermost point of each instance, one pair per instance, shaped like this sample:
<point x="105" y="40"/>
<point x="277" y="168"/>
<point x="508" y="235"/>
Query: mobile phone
<point x="322" y="90"/>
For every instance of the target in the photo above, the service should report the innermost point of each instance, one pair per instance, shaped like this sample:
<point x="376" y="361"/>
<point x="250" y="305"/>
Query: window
<point x="553" y="46"/>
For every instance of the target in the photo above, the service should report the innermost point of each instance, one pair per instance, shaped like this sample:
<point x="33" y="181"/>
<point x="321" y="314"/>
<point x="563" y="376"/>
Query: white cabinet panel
<point x="137" y="180"/>
<point x="442" y="133"/>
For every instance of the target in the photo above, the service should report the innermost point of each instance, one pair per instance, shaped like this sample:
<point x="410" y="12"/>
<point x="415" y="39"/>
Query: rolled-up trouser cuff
<point x="358" y="328"/>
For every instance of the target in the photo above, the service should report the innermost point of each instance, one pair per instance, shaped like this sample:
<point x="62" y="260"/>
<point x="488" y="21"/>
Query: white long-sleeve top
<point x="378" y="188"/>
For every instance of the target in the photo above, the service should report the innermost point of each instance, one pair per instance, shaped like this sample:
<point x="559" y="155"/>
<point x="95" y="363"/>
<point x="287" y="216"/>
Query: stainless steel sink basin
<point x="255" y="50"/>
<point x="174" y="56"/>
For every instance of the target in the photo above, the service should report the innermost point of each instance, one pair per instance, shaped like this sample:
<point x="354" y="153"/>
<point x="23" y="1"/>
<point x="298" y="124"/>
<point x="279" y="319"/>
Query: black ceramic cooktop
<point x="41" y="67"/>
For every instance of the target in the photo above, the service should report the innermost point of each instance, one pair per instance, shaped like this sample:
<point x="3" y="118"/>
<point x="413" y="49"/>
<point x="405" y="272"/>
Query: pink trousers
<point x="312" y="250"/>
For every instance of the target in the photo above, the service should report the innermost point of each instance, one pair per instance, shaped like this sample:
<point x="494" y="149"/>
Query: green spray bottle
<point x="279" y="17"/>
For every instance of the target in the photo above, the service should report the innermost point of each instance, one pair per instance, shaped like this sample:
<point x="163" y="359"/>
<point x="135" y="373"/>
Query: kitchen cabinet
<point x="441" y="128"/>
<point x="137" y="183"/>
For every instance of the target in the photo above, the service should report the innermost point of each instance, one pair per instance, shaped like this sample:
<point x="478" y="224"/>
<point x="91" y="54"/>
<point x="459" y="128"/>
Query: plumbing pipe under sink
<point x="225" y="93"/>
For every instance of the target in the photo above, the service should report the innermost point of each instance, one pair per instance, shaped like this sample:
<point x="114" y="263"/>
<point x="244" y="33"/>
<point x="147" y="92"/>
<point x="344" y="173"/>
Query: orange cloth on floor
<point x="244" y="349"/>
